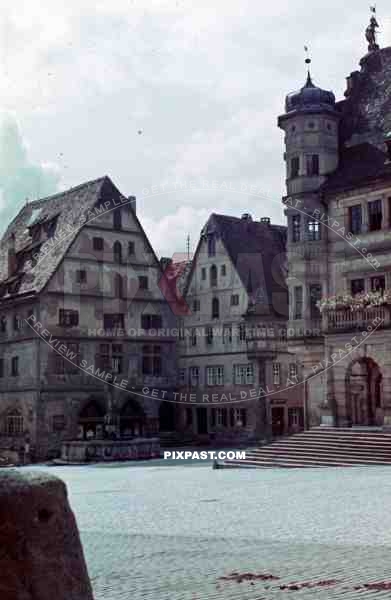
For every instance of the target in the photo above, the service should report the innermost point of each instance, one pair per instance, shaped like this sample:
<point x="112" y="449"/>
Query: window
<point x="196" y="305"/>
<point x="209" y="335"/>
<point x="189" y="416"/>
<point x="151" y="361"/>
<point x="117" y="219"/>
<point x="182" y="376"/>
<point x="295" y="417"/>
<point x="357" y="286"/>
<point x="211" y="245"/>
<point x="58" y="422"/>
<point x="223" y="270"/>
<point x="130" y="248"/>
<point x="238" y="417"/>
<point x="118" y="286"/>
<point x="97" y="243"/>
<point x="18" y="323"/>
<point x="113" y="321"/>
<point x="151" y="322"/>
<point x="378" y="284"/>
<point x="221" y="417"/>
<point x="296" y="228"/>
<point x="203" y="274"/>
<point x="242" y="332"/>
<point x="215" y="375"/>
<point x="276" y="373"/>
<point x="215" y="308"/>
<point x="315" y="297"/>
<point x="14" y="424"/>
<point x="375" y="215"/>
<point x="313" y="231"/>
<point x="293" y="371"/>
<point x="68" y="318"/>
<point x="81" y="276"/>
<point x="117" y="359"/>
<point x="227" y="334"/>
<point x="193" y="337"/>
<point x="194" y="376"/>
<point x="355" y="219"/>
<point x="62" y="366"/>
<point x="298" y="302"/>
<point x="213" y="276"/>
<point x="50" y="228"/>
<point x="295" y="166"/>
<point x="117" y="252"/>
<point x="103" y="357"/>
<point x="312" y="164"/>
<point x="244" y="374"/>
<point x="143" y="282"/>
<point x="235" y="300"/>
<point x="15" y="366"/>
<point x="1" y="367"/>
<point x="3" y="325"/>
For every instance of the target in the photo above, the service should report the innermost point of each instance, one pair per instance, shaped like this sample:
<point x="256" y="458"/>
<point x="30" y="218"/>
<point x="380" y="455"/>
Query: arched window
<point x="215" y="308"/>
<point x="117" y="251"/>
<point x="213" y="276"/>
<point x="118" y="286"/>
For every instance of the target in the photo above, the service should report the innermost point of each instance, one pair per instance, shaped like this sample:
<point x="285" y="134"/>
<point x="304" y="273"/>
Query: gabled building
<point x="236" y="296"/>
<point x="80" y="310"/>
<point x="338" y="205"/>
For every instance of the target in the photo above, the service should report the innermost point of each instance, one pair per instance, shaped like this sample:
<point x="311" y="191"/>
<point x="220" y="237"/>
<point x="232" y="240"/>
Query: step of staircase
<point x="321" y="447"/>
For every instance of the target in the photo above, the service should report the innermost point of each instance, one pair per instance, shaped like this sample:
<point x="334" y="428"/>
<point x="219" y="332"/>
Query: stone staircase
<point x="321" y="447"/>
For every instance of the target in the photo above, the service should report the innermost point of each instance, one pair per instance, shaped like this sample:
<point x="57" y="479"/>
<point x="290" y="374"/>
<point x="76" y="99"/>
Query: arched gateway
<point x="364" y="393"/>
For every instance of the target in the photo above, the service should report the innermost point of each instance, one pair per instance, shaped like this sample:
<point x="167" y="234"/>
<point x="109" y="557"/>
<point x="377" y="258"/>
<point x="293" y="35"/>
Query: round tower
<point x="310" y="123"/>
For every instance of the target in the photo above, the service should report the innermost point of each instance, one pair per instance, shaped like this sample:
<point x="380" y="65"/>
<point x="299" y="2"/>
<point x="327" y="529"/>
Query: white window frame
<point x="194" y="376"/>
<point x="244" y="374"/>
<point x="276" y="367"/>
<point x="214" y="376"/>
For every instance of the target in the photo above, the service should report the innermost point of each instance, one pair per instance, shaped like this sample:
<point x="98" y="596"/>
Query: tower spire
<point x="308" y="61"/>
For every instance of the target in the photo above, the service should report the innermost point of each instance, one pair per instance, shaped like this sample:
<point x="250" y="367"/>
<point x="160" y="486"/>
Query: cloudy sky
<point x="202" y="81"/>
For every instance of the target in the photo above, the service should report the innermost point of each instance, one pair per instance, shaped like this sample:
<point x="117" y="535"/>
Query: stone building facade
<point x="338" y="206"/>
<point x="80" y="310"/>
<point x="234" y="365"/>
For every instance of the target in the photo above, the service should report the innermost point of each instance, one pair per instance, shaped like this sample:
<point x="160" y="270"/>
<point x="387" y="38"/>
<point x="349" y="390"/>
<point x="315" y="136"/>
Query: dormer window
<point x="36" y="233"/>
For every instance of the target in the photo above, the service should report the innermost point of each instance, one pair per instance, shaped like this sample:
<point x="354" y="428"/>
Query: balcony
<point x="346" y="320"/>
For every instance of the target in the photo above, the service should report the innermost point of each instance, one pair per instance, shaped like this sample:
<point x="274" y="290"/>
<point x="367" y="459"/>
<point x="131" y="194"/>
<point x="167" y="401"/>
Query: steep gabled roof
<point x="258" y="252"/>
<point x="359" y="165"/>
<point x="69" y="208"/>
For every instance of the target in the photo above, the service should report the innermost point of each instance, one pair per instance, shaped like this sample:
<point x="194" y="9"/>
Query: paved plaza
<point x="157" y="532"/>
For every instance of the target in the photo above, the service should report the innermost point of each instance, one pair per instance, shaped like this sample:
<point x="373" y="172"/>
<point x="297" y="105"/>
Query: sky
<point x="167" y="95"/>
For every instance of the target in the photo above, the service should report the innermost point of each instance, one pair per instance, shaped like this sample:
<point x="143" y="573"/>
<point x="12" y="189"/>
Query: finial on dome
<point x="308" y="61"/>
<point x="371" y="33"/>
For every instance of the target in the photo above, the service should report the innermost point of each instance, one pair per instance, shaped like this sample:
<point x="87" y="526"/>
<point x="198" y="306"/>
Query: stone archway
<point x="91" y="420"/>
<point x="132" y="419"/>
<point x="364" y="393"/>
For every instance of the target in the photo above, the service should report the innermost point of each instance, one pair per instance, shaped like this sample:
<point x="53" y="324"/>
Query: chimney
<point x="266" y="220"/>
<point x="11" y="256"/>
<point x="132" y="200"/>
<point x="246" y="217"/>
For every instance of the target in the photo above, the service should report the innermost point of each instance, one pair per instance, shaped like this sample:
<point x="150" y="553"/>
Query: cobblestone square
<point x="157" y="532"/>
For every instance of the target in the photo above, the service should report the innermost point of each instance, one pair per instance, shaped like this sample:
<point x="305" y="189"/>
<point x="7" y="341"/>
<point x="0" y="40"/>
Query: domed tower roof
<point x="310" y="98"/>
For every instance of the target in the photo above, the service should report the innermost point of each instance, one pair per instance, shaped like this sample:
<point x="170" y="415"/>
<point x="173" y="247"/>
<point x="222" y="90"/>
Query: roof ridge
<point x="64" y="192"/>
